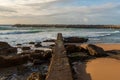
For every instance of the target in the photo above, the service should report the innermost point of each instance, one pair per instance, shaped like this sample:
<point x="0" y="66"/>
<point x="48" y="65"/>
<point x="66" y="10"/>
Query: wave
<point x="103" y="34"/>
<point x="19" y="32"/>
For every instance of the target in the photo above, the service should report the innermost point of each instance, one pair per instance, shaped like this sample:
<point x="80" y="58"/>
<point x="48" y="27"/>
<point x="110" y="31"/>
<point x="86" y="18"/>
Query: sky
<point x="59" y="11"/>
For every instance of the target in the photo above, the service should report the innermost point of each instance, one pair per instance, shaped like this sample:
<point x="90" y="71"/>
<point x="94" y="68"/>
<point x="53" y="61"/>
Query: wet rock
<point x="26" y="48"/>
<point x="38" y="62"/>
<point x="39" y="51"/>
<point x="81" y="49"/>
<point x="95" y="50"/>
<point x="47" y="54"/>
<point x="72" y="48"/>
<point x="6" y="49"/>
<point x="13" y="61"/>
<point x="36" y="56"/>
<point x="35" y="76"/>
<point x="19" y="44"/>
<point x="31" y="42"/>
<point x="75" y="40"/>
<point x="4" y="45"/>
<point x="51" y="40"/>
<point x="38" y="45"/>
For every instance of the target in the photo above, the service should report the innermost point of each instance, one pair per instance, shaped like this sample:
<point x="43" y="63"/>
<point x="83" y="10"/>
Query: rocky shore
<point x="30" y="61"/>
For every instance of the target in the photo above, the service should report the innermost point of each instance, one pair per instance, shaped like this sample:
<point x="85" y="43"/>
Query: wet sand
<point x="104" y="69"/>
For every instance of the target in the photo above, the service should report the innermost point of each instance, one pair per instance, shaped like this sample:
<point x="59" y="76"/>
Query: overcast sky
<point x="60" y="11"/>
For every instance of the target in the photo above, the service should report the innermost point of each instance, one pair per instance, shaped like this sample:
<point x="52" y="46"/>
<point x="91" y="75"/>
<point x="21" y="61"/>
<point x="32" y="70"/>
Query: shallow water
<point x="15" y="35"/>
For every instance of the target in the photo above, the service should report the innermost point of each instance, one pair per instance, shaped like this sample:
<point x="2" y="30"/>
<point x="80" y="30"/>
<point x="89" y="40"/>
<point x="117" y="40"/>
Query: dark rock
<point x="47" y="54"/>
<point x="38" y="62"/>
<point x="81" y="49"/>
<point x="39" y="51"/>
<point x="31" y="42"/>
<point x="19" y="44"/>
<point x="26" y="48"/>
<point x="13" y="61"/>
<point x="75" y="40"/>
<point x="52" y="45"/>
<point x="79" y="56"/>
<point x="35" y="76"/>
<point x="6" y="49"/>
<point x="51" y="40"/>
<point x="95" y="50"/>
<point x="72" y="48"/>
<point x="36" y="56"/>
<point x="38" y="45"/>
<point x="4" y="45"/>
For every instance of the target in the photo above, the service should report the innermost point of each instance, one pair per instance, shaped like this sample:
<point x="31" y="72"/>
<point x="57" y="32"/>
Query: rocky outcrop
<point x="75" y="40"/>
<point x="13" y="61"/>
<point x="72" y="48"/>
<point x="6" y="49"/>
<point x="95" y="50"/>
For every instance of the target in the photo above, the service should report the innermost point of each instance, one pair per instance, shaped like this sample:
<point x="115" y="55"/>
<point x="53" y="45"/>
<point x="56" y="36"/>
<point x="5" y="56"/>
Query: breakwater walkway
<point x="59" y="68"/>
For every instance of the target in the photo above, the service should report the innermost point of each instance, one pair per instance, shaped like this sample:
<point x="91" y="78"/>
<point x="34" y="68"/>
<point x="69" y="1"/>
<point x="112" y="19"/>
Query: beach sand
<point x="100" y="68"/>
<point x="106" y="46"/>
<point x="104" y="69"/>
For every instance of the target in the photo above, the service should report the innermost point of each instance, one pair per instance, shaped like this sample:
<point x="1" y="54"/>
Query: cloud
<point x="58" y="11"/>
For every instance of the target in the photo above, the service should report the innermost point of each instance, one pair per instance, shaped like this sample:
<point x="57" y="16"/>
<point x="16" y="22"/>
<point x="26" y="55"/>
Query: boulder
<point x="50" y="40"/>
<point x="71" y="48"/>
<point x="95" y="50"/>
<point x="31" y="42"/>
<point x="81" y="49"/>
<point x="47" y="54"/>
<point x="26" y="48"/>
<point x="13" y="61"/>
<point x="6" y="49"/>
<point x="4" y="45"/>
<point x="35" y="76"/>
<point x="38" y="45"/>
<point x="75" y="40"/>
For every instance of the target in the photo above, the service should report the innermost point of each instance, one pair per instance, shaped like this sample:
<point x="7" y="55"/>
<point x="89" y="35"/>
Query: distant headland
<point x="67" y="26"/>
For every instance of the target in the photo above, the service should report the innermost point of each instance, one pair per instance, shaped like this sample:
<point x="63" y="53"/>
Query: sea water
<point x="14" y="35"/>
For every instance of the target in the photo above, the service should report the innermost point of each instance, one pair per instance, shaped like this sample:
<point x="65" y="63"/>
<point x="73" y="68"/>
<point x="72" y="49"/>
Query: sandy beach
<point x="100" y="68"/>
<point x="106" y="46"/>
<point x="104" y="69"/>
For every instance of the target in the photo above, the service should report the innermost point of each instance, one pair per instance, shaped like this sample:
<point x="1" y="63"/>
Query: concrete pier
<point x="59" y="67"/>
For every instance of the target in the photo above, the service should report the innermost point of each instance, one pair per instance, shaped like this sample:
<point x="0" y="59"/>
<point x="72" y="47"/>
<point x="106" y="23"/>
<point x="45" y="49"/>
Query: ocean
<point x="15" y="35"/>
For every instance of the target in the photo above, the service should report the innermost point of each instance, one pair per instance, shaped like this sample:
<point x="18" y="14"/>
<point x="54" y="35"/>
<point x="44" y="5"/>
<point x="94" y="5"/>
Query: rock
<point x="95" y="50"/>
<point x="38" y="45"/>
<point x="75" y="40"/>
<point x="36" y="56"/>
<point x="35" y="76"/>
<point x="13" y="61"/>
<point x="6" y="49"/>
<point x="39" y="51"/>
<point x="72" y="48"/>
<point x="38" y="62"/>
<point x="51" y="40"/>
<point x="26" y="48"/>
<point x="81" y="49"/>
<point x="19" y="44"/>
<point x="4" y="45"/>
<point x="47" y="54"/>
<point x="31" y="42"/>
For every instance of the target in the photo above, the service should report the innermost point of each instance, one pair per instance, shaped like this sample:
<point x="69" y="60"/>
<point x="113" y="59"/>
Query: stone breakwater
<point x="68" y="26"/>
